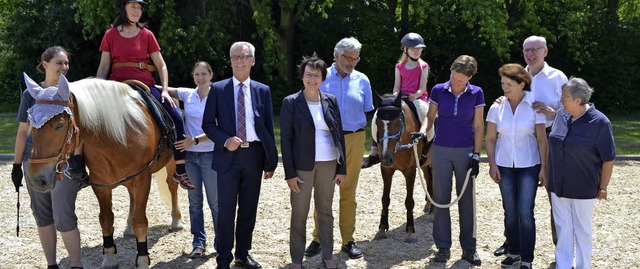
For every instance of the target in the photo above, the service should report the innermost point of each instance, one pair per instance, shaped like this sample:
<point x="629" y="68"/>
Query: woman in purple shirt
<point x="457" y="143"/>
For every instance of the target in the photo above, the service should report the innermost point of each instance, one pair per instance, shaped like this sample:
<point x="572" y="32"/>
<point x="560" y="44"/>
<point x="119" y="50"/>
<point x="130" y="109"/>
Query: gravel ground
<point x="616" y="228"/>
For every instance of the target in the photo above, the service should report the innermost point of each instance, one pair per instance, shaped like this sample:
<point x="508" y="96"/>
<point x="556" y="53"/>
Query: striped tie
<point x="241" y="124"/>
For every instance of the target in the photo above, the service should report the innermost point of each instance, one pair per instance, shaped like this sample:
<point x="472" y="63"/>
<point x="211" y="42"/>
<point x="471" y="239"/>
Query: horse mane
<point x="109" y="107"/>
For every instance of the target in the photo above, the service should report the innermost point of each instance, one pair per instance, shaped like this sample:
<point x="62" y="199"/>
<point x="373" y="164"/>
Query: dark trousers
<point x="239" y="186"/>
<point x="176" y="116"/>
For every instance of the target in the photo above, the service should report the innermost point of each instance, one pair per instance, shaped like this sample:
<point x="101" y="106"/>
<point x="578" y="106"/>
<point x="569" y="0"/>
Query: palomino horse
<point x="394" y="123"/>
<point x="121" y="140"/>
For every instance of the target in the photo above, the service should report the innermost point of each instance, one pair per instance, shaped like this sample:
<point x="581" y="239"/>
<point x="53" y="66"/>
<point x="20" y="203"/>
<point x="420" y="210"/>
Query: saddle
<point x="157" y="111"/>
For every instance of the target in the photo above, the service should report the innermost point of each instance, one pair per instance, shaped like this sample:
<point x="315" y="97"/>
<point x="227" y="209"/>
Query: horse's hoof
<point x="380" y="235"/>
<point x="410" y="239"/>
<point x="128" y="232"/>
<point x="142" y="262"/>
<point x="176" y="225"/>
<point x="109" y="261"/>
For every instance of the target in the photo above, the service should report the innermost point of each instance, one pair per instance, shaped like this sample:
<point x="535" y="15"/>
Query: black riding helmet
<point x="412" y="40"/>
<point x="120" y="3"/>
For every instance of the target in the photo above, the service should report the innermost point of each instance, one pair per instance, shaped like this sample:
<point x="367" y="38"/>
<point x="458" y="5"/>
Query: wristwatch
<point x="475" y="156"/>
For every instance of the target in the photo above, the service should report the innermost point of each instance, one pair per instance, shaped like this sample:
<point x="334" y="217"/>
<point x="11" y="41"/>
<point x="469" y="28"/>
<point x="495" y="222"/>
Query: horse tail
<point x="163" y="187"/>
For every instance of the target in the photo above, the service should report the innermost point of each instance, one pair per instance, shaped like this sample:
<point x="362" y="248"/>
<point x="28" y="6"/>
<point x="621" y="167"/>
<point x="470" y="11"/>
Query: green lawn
<point x="626" y="129"/>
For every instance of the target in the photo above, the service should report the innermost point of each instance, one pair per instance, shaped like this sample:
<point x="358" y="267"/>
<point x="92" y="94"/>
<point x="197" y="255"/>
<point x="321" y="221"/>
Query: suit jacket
<point x="219" y="122"/>
<point x="298" y="133"/>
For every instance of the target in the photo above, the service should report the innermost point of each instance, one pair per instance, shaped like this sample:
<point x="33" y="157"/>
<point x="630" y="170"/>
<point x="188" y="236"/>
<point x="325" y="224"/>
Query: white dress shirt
<point x="546" y="87"/>
<point x="248" y="108"/>
<point x="516" y="146"/>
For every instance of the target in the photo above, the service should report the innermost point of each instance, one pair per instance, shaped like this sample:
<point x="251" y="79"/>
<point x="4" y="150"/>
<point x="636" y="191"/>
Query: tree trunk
<point x="287" y="37"/>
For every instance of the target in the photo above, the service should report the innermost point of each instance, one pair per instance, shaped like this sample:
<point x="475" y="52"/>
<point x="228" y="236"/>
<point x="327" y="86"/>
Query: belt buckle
<point x="140" y="65"/>
<point x="244" y="145"/>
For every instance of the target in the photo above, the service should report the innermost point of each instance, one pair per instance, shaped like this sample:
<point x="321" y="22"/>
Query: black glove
<point x="474" y="164"/>
<point x="415" y="136"/>
<point x="16" y="175"/>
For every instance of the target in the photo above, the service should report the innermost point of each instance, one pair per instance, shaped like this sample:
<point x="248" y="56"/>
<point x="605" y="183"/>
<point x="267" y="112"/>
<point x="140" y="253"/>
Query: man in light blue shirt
<point x="353" y="92"/>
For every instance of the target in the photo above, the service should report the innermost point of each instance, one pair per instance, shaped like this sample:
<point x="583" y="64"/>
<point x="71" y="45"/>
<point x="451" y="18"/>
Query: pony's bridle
<point x="68" y="147"/>
<point x="397" y="136"/>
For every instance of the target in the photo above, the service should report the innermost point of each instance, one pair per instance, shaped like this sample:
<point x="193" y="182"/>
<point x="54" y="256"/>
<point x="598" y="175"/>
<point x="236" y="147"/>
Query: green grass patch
<point x="626" y="129"/>
<point x="8" y="130"/>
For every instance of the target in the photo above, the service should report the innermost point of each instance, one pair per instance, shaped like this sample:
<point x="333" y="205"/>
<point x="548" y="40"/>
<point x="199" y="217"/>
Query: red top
<point x="135" y="49"/>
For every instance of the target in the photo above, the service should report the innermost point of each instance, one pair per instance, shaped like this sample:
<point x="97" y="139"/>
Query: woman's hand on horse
<point x="339" y="179"/>
<point x="167" y="98"/>
<point x="185" y="143"/>
<point x="293" y="184"/>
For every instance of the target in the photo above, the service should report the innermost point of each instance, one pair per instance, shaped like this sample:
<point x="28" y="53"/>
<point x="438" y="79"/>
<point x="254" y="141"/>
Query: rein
<point x="62" y="158"/>
<point x="424" y="186"/>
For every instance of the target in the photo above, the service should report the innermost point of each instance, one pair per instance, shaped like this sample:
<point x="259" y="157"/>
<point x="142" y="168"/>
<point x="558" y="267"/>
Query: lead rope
<point x="424" y="186"/>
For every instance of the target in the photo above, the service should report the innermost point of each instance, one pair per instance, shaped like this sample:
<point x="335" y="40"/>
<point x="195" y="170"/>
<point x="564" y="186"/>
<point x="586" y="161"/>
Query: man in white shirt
<point x="546" y="87"/>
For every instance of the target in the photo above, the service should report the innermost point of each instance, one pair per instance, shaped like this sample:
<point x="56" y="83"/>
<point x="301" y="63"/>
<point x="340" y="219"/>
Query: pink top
<point x="135" y="49"/>
<point x="410" y="80"/>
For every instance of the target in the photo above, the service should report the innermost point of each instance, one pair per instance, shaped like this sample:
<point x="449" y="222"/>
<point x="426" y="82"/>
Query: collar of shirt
<point x="246" y="83"/>
<point x="467" y="88"/>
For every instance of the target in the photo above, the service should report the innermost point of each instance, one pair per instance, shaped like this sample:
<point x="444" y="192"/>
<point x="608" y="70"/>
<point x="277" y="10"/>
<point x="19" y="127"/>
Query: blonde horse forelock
<point x="110" y="108"/>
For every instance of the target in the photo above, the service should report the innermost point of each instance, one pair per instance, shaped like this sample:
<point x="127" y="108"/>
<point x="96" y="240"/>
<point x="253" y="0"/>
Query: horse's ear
<point x="398" y="101"/>
<point x="63" y="87"/>
<point x="377" y="99"/>
<point x="32" y="86"/>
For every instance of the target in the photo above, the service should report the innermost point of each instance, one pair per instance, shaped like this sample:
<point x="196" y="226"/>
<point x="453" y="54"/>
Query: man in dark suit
<point x="238" y="117"/>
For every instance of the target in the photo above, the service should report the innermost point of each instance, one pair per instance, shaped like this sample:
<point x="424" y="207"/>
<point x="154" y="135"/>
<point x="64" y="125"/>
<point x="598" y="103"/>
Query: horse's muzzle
<point x="42" y="180"/>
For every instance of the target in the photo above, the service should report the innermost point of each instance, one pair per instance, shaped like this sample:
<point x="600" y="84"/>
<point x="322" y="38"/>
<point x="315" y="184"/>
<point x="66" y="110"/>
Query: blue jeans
<point x="198" y="165"/>
<point x="518" y="187"/>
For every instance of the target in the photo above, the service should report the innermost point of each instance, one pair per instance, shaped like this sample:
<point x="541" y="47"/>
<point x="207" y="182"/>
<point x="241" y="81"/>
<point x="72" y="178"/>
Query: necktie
<point x="241" y="124"/>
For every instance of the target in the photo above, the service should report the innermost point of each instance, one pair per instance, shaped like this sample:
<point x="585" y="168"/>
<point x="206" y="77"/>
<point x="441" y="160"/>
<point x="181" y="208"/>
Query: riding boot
<point x="77" y="169"/>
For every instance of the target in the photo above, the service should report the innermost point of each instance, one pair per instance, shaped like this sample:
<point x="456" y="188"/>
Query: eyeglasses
<point x="240" y="57"/>
<point x="351" y="59"/>
<point x="312" y="76"/>
<point x="532" y="50"/>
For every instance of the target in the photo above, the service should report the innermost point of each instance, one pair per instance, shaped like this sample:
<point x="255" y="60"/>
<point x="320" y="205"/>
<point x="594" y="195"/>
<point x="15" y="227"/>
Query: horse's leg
<point x="410" y="177"/>
<point x="176" y="215"/>
<point x="128" y="231"/>
<point x="387" y="175"/>
<point x="140" y="194"/>
<point x="109" y="250"/>
<point x="428" y="178"/>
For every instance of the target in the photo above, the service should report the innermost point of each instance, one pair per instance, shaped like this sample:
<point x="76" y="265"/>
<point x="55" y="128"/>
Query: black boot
<point x="77" y="169"/>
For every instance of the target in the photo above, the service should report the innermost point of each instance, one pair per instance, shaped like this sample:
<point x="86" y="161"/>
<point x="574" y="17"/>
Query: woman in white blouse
<point x="517" y="149"/>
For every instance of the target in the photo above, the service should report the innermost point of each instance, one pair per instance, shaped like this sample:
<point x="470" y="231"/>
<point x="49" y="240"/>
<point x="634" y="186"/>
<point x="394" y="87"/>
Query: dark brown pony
<point x="122" y="145"/>
<point x="394" y="123"/>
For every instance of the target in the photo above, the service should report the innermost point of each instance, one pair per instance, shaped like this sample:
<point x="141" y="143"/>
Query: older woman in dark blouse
<point x="581" y="155"/>
<point x="313" y="156"/>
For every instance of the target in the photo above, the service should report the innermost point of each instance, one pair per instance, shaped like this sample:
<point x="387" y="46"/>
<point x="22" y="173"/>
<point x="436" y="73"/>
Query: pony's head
<point x="389" y="126"/>
<point x="52" y="127"/>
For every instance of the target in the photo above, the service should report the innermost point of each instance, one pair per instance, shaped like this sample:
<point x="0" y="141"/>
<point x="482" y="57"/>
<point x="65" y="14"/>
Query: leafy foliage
<point x="593" y="39"/>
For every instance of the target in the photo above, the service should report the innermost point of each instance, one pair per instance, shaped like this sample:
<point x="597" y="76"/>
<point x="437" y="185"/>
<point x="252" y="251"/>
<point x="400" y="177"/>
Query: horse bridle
<point x="62" y="158"/>
<point x="397" y="136"/>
